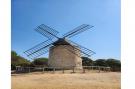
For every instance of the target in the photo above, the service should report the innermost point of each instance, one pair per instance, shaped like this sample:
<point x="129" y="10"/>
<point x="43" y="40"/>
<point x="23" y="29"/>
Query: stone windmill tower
<point x="62" y="52"/>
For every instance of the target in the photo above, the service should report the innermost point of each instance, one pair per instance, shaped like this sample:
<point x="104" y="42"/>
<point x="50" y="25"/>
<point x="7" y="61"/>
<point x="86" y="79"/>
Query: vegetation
<point x="17" y="60"/>
<point x="100" y="62"/>
<point x="113" y="63"/>
<point x="87" y="61"/>
<point x="40" y="61"/>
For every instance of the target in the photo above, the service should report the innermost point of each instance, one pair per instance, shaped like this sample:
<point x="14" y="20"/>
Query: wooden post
<point x="16" y="69"/>
<point x="29" y="69"/>
<point x="99" y="69"/>
<point x="63" y="70"/>
<point x="83" y="70"/>
<point x="54" y="70"/>
<point x="46" y="69"/>
<point x="73" y="70"/>
<point x="109" y="69"/>
<point x="105" y="69"/>
<point x="43" y="69"/>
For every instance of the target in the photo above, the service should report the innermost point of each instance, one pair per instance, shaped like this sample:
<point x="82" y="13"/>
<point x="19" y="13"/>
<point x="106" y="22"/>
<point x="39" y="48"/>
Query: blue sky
<point x="64" y="15"/>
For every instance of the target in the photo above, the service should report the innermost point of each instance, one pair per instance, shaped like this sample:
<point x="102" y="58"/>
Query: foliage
<point x="100" y="62"/>
<point x="40" y="61"/>
<point x="87" y="61"/>
<point x="114" y="64"/>
<point x="17" y="60"/>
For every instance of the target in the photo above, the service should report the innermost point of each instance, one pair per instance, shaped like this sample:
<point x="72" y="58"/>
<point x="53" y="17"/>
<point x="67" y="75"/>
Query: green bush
<point x="100" y="62"/>
<point x="17" y="60"/>
<point x="114" y="64"/>
<point x="87" y="61"/>
<point x="40" y="61"/>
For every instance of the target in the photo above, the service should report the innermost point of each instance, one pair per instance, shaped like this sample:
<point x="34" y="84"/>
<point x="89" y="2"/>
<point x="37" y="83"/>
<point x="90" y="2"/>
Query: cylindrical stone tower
<point x="64" y="56"/>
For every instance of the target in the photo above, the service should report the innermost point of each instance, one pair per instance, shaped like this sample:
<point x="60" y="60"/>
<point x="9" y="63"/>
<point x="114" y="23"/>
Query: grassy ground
<point x="109" y="80"/>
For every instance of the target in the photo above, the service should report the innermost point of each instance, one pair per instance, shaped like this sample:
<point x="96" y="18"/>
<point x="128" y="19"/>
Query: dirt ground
<point x="109" y="80"/>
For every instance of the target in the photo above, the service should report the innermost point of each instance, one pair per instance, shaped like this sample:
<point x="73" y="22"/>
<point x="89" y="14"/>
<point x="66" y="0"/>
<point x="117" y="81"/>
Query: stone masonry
<point x="60" y="56"/>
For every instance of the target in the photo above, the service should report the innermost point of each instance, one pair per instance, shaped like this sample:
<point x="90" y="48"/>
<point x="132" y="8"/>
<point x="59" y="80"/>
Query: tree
<point x="114" y="64"/>
<point x="22" y="61"/>
<point x="14" y="59"/>
<point x="13" y="56"/>
<point x="17" y="60"/>
<point x="100" y="62"/>
<point x="87" y="61"/>
<point x="40" y="61"/>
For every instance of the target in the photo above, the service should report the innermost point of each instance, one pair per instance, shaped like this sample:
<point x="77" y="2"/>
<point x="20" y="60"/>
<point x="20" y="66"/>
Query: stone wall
<point x="64" y="56"/>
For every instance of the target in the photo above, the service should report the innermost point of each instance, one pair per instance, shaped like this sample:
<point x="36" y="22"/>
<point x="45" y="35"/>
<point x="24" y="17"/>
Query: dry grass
<point x="110" y="80"/>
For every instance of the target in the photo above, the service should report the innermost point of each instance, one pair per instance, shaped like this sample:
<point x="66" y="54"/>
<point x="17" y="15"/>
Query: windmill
<point x="62" y="51"/>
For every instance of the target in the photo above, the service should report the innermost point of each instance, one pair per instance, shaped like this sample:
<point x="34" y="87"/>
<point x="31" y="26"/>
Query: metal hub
<point x="61" y="41"/>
